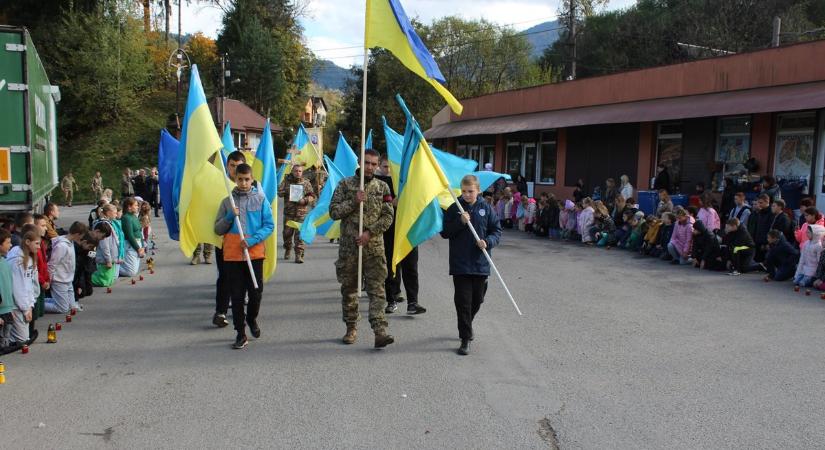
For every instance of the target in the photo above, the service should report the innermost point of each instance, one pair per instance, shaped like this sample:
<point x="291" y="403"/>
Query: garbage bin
<point x="648" y="201"/>
<point x="679" y="200"/>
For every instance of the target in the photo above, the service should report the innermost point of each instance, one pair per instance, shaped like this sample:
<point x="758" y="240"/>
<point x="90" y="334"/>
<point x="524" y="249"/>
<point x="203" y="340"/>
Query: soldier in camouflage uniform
<point x="378" y="215"/>
<point x="295" y="211"/>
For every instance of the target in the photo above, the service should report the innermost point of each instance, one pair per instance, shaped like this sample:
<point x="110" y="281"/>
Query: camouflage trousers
<point x="292" y="237"/>
<point x="206" y="249"/>
<point x="375" y="272"/>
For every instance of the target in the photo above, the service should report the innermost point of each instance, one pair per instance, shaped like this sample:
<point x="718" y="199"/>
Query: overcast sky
<point x="333" y="24"/>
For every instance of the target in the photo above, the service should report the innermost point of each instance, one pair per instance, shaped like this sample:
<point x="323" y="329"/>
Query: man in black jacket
<point x="407" y="269"/>
<point x="781" y="221"/>
<point x="759" y="223"/>
<point x="468" y="265"/>
<point x="782" y="257"/>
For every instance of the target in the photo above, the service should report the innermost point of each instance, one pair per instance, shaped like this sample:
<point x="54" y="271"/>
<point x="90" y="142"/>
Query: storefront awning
<point x="763" y="100"/>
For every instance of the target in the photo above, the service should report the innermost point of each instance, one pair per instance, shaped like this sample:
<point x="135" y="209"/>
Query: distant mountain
<point x="542" y="35"/>
<point x="330" y="76"/>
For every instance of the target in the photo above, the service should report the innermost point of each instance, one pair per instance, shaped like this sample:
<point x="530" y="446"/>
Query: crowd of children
<point x="764" y="236"/>
<point x="48" y="270"/>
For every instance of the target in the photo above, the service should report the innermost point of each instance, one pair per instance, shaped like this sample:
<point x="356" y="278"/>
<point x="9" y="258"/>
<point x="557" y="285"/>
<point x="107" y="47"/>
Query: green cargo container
<point x="28" y="124"/>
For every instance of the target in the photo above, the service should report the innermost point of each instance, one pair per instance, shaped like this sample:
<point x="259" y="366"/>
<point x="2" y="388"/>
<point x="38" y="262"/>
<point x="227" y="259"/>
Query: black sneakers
<point x="240" y="342"/>
<point x="415" y="308"/>
<point x="391" y="308"/>
<point x="464" y="349"/>
<point x="220" y="320"/>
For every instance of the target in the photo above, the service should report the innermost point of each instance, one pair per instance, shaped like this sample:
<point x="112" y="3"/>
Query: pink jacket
<point x="585" y="221"/>
<point x="802" y="233"/>
<point x="710" y="218"/>
<point x="682" y="237"/>
<point x="516" y="203"/>
<point x="811" y="251"/>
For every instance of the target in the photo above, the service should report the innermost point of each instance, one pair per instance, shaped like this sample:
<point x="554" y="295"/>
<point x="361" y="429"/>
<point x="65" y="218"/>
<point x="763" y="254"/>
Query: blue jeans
<point x="675" y="254"/>
<point x="555" y="233"/>
<point x="803" y="280"/>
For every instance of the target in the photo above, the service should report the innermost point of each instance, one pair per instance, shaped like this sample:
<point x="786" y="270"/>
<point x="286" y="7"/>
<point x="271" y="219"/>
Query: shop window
<point x="547" y="174"/>
<point x="513" y="158"/>
<point x="734" y="143"/>
<point x="669" y="149"/>
<point x="461" y="151"/>
<point x="794" y="146"/>
<point x="529" y="171"/>
<point x="488" y="153"/>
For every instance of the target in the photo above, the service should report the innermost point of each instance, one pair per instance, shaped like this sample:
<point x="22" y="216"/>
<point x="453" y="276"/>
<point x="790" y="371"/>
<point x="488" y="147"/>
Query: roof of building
<point x="242" y="117"/>
<point x="700" y="88"/>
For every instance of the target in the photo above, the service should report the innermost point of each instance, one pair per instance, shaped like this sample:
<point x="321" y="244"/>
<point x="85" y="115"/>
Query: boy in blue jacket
<point x="255" y="214"/>
<point x="468" y="265"/>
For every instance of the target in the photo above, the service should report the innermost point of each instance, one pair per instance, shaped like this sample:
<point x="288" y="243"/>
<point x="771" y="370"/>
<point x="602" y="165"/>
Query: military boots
<point x="299" y="257"/>
<point x="352" y="334"/>
<point x="382" y="339"/>
<point x="287" y="253"/>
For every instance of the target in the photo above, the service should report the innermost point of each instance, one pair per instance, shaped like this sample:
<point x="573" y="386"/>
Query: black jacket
<point x="662" y="181"/>
<point x="465" y="256"/>
<point x="786" y="256"/>
<point x="759" y="224"/>
<point x="665" y="233"/>
<point x="83" y="270"/>
<point x="389" y="235"/>
<point x="738" y="238"/>
<point x="782" y="223"/>
<point x="706" y="244"/>
<point x="553" y="213"/>
<point x="139" y="184"/>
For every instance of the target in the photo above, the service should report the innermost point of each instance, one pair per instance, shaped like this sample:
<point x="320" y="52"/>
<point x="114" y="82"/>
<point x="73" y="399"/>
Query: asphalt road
<point x="612" y="352"/>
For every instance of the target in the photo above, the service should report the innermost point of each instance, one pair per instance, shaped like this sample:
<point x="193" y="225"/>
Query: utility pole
<point x="180" y="59"/>
<point x="224" y="75"/>
<point x="571" y="38"/>
<point x="777" y="28"/>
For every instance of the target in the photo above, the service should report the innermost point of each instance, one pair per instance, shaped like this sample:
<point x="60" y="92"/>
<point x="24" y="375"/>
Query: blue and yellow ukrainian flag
<point x="201" y="187"/>
<point x="418" y="215"/>
<point x="345" y="159"/>
<point x="228" y="142"/>
<point x="308" y="154"/>
<point x="265" y="171"/>
<point x="387" y="26"/>
<point x="318" y="220"/>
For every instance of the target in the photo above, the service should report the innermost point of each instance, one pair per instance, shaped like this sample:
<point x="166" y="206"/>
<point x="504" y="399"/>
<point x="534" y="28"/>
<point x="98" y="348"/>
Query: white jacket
<point x="23" y="279"/>
<point x="62" y="261"/>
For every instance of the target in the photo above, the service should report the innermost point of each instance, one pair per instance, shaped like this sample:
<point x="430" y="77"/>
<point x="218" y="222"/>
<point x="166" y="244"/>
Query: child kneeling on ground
<point x="62" y="265"/>
<point x="809" y="257"/>
<point x="782" y="259"/>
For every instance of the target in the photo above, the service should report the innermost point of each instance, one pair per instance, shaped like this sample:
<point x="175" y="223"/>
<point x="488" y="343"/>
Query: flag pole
<point x="361" y="171"/>
<point x="238" y="224"/>
<point x="486" y="255"/>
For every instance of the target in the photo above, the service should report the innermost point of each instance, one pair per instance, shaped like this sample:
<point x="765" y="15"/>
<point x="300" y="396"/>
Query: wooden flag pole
<point x="361" y="171"/>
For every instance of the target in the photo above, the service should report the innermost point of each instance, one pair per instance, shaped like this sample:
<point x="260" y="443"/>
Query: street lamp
<point x="178" y="61"/>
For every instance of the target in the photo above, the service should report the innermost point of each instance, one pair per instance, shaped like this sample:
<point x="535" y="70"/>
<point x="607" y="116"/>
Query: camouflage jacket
<point x="378" y="214"/>
<point x="293" y="209"/>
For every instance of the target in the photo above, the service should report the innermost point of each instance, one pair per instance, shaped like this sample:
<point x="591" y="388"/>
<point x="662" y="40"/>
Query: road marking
<point x="2" y="84"/>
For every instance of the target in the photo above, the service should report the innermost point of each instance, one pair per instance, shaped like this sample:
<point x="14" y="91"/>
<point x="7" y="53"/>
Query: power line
<point x="461" y="44"/>
<point x="477" y="30"/>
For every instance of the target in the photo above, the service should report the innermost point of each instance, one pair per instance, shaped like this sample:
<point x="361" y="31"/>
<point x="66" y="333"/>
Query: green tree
<point x="264" y="42"/>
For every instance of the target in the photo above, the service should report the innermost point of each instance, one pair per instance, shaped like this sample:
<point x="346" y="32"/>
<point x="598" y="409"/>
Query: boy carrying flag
<point x="255" y="214"/>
